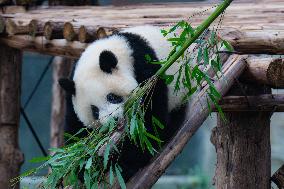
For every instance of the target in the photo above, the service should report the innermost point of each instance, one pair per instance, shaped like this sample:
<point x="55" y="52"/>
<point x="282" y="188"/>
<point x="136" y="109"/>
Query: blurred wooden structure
<point x="252" y="27"/>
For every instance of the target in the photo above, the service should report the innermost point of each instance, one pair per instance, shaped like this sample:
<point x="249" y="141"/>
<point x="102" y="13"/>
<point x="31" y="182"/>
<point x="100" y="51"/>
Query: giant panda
<point x="104" y="77"/>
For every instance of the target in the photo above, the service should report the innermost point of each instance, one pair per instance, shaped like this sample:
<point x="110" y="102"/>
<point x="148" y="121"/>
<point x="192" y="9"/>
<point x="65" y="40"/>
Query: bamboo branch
<point x="150" y="174"/>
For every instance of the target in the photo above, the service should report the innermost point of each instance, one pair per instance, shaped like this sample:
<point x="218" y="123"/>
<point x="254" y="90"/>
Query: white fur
<point x="93" y="85"/>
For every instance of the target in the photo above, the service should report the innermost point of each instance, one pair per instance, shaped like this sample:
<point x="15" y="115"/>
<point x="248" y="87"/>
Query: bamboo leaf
<point x="89" y="163"/>
<point x="120" y="178"/>
<point x="228" y="46"/>
<point x="106" y="154"/>
<point x="111" y="177"/>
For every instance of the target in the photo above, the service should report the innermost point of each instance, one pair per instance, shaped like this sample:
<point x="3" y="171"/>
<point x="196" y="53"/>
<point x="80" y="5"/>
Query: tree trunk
<point x="61" y="68"/>
<point x="242" y="143"/>
<point x="11" y="157"/>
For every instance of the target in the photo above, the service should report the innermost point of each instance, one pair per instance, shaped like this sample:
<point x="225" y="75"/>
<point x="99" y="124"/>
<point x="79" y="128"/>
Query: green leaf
<point x="168" y="79"/>
<point x="39" y="159"/>
<point x="87" y="179"/>
<point x="106" y="154"/>
<point x="228" y="46"/>
<point x="120" y="178"/>
<point x="206" y="56"/>
<point x="111" y="177"/>
<point x="153" y="137"/>
<point x="199" y="55"/>
<point x="89" y="163"/>
<point x="157" y="122"/>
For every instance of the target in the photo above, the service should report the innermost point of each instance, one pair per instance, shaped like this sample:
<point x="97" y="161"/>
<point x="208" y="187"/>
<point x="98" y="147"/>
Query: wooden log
<point x="6" y="2"/>
<point x="239" y="140"/>
<point x="255" y="42"/>
<point x="59" y="47"/>
<point x="13" y="28"/>
<point x="10" y="86"/>
<point x="71" y="2"/>
<point x="260" y="103"/>
<point x="278" y="177"/>
<point x="25" y="2"/>
<point x="61" y="69"/>
<point x="87" y="34"/>
<point x="53" y="30"/>
<point x="150" y="174"/>
<point x="69" y="32"/>
<point x="2" y="25"/>
<point x="13" y="9"/>
<point x="103" y="32"/>
<point x="35" y="28"/>
<point x="268" y="71"/>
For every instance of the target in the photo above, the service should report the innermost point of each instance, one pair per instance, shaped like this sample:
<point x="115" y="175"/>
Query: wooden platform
<point x="257" y="17"/>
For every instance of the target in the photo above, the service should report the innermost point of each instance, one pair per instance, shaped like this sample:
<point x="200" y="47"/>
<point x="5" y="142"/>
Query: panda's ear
<point x="108" y="61"/>
<point x="68" y="85"/>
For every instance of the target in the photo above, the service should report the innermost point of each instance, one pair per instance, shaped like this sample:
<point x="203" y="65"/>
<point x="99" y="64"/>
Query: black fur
<point x="68" y="85"/>
<point x="108" y="61"/>
<point x="132" y="158"/>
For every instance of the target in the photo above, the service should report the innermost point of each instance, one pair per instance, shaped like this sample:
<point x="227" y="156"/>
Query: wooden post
<point x="61" y="68"/>
<point x="242" y="144"/>
<point x="11" y="157"/>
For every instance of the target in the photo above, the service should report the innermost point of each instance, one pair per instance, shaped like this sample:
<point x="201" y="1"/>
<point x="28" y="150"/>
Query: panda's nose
<point x="95" y="112"/>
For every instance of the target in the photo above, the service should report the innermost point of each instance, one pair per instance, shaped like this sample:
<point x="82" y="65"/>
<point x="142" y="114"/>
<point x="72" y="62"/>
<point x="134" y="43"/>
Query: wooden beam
<point x="11" y="157"/>
<point x="150" y="174"/>
<point x="278" y="177"/>
<point x="242" y="143"/>
<point x="70" y="33"/>
<point x="13" y="28"/>
<point x="255" y="42"/>
<point x="53" y="30"/>
<point x="61" y="69"/>
<point x="261" y="103"/>
<point x="265" y="70"/>
<point x="59" y="47"/>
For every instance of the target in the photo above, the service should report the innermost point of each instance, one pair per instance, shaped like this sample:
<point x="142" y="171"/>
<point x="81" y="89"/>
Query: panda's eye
<point x="95" y="111"/>
<point x="114" y="99"/>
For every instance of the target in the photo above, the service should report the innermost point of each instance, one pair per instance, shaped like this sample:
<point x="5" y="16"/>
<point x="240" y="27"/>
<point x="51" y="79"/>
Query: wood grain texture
<point x="11" y="157"/>
<point x="278" y="177"/>
<point x="242" y="144"/>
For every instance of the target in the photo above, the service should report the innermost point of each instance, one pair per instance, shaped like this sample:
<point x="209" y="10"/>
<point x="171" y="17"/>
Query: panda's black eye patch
<point x="114" y="99"/>
<point x="95" y="111"/>
<point x="108" y="61"/>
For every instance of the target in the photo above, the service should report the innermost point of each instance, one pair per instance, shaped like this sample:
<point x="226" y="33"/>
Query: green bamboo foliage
<point x="81" y="154"/>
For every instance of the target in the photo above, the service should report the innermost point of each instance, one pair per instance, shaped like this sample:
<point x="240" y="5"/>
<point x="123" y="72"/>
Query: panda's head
<point x="103" y="79"/>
